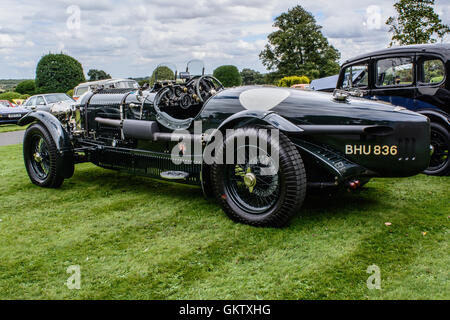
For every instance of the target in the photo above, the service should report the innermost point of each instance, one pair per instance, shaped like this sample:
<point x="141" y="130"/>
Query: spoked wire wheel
<point x="262" y="188"/>
<point x="42" y="159"/>
<point x="254" y="184"/>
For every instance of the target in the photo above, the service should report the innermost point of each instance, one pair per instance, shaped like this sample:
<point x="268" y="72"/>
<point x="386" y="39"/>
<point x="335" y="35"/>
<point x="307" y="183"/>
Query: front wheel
<point x="440" y="161"/>
<point x="262" y="187"/>
<point x="42" y="160"/>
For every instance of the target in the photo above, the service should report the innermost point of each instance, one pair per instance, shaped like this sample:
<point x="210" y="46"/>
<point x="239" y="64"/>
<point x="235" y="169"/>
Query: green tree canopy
<point x="161" y="73"/>
<point x="415" y="23"/>
<point x="299" y="47"/>
<point x="58" y="73"/>
<point x="26" y="87"/>
<point x="250" y="77"/>
<point x="95" y="75"/>
<point x="142" y="82"/>
<point x="228" y="75"/>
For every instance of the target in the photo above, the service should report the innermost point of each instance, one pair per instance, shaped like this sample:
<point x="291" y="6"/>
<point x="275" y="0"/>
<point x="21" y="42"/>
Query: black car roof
<point x="442" y="48"/>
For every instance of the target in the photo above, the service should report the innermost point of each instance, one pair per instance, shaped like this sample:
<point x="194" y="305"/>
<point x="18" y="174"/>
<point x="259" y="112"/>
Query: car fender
<point x="434" y="115"/>
<point x="244" y="118"/>
<point x="59" y="135"/>
<point x="341" y="168"/>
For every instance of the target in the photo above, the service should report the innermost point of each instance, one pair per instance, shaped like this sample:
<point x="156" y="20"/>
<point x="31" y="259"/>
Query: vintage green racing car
<point x="256" y="149"/>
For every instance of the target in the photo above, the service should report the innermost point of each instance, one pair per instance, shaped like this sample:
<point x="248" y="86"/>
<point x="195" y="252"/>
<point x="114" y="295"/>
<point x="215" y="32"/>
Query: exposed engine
<point x="177" y="100"/>
<point x="68" y="114"/>
<point x="184" y="100"/>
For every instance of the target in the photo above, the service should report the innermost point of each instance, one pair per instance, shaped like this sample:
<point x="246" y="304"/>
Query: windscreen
<point x="163" y="72"/>
<point x="4" y="104"/>
<point x="53" y="98"/>
<point x="195" y="68"/>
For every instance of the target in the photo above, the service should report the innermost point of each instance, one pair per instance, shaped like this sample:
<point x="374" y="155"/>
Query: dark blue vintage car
<point x="414" y="77"/>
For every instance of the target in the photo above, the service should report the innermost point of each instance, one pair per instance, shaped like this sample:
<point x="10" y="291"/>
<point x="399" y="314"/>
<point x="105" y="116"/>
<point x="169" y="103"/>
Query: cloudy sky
<point x="130" y="37"/>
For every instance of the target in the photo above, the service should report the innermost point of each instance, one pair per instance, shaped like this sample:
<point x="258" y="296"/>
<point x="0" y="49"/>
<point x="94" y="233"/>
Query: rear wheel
<point x="440" y="161"/>
<point x="255" y="190"/>
<point x="42" y="160"/>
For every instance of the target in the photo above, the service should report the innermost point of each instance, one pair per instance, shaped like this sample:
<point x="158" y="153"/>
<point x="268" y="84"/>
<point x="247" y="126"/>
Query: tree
<point x="272" y="78"/>
<point x="228" y="75"/>
<point x="250" y="77"/>
<point x="416" y="23"/>
<point x="161" y="73"/>
<point x="26" y="87"/>
<point x="58" y="73"/>
<point x="299" y="47"/>
<point x="95" y="75"/>
<point x="142" y="82"/>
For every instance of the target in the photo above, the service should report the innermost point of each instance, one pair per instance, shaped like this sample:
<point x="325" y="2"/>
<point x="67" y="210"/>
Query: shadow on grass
<point x="123" y="182"/>
<point x="316" y="206"/>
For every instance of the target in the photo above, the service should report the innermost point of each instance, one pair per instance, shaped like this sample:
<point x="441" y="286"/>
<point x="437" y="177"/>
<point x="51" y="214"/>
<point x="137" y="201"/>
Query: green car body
<point x="340" y="140"/>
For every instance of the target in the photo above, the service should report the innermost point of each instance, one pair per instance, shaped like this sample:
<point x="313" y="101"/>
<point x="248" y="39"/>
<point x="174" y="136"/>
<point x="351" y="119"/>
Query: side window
<point x="356" y="76"/>
<point x="433" y="71"/>
<point x="132" y="84"/>
<point x="80" y="91"/>
<point x="32" y="101"/>
<point x="395" y="72"/>
<point x="40" y="100"/>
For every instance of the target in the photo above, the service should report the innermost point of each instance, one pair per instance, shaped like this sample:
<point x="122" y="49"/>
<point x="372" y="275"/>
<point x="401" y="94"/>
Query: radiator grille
<point x="407" y="149"/>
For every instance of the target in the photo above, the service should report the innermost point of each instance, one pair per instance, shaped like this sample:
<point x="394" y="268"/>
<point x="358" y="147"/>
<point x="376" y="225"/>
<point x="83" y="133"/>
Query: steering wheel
<point x="208" y="85"/>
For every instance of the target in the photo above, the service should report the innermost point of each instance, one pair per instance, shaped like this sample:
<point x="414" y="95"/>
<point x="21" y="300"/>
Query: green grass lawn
<point x="11" y="127"/>
<point x="136" y="238"/>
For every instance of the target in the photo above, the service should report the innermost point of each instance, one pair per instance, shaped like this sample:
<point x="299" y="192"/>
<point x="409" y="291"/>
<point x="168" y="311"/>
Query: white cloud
<point x="130" y="37"/>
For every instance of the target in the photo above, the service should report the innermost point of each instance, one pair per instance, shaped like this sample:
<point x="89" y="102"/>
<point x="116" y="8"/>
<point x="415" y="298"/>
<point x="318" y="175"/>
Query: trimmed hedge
<point x="10" y="96"/>
<point x="70" y="93"/>
<point x="26" y="87"/>
<point x="160" y="73"/>
<point x="58" y="73"/>
<point x="290" y="81"/>
<point x="228" y="75"/>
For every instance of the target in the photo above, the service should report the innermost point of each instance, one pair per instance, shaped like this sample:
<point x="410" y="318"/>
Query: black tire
<point x="42" y="160"/>
<point x="274" y="199"/>
<point x="440" y="160"/>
